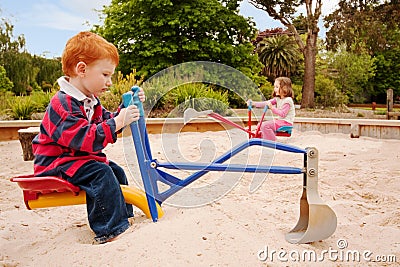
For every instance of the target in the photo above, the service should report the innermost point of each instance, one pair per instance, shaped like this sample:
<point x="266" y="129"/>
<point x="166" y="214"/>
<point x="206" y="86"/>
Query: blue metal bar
<point x="140" y="140"/>
<point x="144" y="166"/>
<point x="230" y="167"/>
<point x="229" y="154"/>
<point x="278" y="146"/>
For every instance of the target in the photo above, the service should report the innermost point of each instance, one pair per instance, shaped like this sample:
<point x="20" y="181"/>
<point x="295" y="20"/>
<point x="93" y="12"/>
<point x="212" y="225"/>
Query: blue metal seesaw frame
<point x="317" y="220"/>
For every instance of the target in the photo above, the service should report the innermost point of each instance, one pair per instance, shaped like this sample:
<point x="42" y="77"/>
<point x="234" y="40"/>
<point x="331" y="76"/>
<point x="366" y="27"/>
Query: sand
<point x="358" y="179"/>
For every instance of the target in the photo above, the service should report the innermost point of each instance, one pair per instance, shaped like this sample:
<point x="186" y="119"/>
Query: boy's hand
<point x="141" y="95"/>
<point x="126" y="116"/>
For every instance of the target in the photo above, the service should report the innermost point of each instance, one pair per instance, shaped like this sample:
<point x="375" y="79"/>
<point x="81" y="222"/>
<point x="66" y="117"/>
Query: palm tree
<point x="279" y="54"/>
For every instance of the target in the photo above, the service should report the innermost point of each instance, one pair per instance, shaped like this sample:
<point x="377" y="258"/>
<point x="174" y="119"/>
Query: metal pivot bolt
<point x="311" y="172"/>
<point x="311" y="153"/>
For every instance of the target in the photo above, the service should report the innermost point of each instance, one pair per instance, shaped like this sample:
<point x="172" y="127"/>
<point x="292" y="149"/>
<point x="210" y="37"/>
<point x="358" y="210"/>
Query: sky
<point x="48" y="24"/>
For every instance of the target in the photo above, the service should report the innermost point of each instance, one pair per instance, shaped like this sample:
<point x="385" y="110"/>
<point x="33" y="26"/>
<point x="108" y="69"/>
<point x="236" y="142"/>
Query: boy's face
<point x="97" y="78"/>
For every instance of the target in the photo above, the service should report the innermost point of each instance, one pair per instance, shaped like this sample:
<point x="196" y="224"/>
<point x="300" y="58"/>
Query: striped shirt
<point x="68" y="138"/>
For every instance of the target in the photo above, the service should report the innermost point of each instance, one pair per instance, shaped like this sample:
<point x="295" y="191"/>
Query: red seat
<point x="286" y="134"/>
<point x="32" y="186"/>
<point x="284" y="131"/>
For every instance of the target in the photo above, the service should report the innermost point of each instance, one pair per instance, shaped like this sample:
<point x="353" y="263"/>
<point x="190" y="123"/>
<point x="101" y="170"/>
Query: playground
<point x="358" y="179"/>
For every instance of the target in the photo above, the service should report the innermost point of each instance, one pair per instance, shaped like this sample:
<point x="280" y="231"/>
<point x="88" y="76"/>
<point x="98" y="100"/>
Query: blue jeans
<point x="106" y="208"/>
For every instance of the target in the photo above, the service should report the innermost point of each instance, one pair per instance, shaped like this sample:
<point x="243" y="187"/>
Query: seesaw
<point x="317" y="220"/>
<point x="51" y="191"/>
<point x="191" y="113"/>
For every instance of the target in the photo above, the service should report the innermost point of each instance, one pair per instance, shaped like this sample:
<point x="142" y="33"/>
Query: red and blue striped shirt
<point x="67" y="139"/>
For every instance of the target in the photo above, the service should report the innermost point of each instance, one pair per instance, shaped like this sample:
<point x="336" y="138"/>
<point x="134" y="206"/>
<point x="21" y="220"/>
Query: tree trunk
<point x="310" y="52"/>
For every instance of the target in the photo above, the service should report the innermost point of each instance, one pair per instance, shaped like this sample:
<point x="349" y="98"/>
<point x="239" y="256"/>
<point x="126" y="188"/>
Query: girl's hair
<point x="285" y="87"/>
<point x="86" y="47"/>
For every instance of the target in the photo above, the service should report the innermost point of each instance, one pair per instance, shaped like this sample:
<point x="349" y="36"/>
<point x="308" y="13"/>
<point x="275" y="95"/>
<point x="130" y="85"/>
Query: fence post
<point x="389" y="102"/>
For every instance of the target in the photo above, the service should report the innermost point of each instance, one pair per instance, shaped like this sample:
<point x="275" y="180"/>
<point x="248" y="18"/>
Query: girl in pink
<point x="281" y="105"/>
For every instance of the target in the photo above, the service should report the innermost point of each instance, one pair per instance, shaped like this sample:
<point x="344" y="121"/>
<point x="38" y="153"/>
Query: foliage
<point x="5" y="83"/>
<point x="25" y="71"/>
<point x="327" y="95"/>
<point x="121" y="84"/>
<point x="22" y="108"/>
<point x="40" y="100"/>
<point x="222" y="77"/>
<point x="154" y="35"/>
<point x="297" y="91"/>
<point x="156" y="91"/>
<point x="284" y="11"/>
<point x="4" y="102"/>
<point x="387" y="74"/>
<point x="267" y="90"/>
<point x="351" y="72"/>
<point x="49" y="70"/>
<point x="280" y="56"/>
<point x="368" y="23"/>
<point x="372" y="27"/>
<point x="7" y="40"/>
<point x="200" y="97"/>
<point x="19" y="70"/>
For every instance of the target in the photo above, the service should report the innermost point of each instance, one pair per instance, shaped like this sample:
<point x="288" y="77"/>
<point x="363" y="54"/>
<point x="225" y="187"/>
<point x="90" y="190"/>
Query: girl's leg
<point x="107" y="212"/>
<point x="280" y="123"/>
<point x="268" y="130"/>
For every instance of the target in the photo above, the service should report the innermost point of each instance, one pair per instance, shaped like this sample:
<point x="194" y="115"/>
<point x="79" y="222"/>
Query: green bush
<point x="40" y="99"/>
<point x="4" y="101"/>
<point x="199" y="97"/>
<point x="156" y="95"/>
<point x="112" y="99"/>
<point x="297" y="90"/>
<point x="5" y="83"/>
<point x="267" y="90"/>
<point x="326" y="93"/>
<point x="22" y="107"/>
<point x="380" y="112"/>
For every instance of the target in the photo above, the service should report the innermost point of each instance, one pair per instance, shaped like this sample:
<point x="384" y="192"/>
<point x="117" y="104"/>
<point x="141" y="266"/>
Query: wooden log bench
<point x="25" y="138"/>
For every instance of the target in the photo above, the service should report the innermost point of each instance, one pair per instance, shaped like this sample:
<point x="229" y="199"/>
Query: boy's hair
<point x="86" y="47"/>
<point x="285" y="87"/>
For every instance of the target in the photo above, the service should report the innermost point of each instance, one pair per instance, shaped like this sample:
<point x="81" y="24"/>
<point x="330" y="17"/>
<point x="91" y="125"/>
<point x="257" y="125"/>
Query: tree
<point x="7" y="40"/>
<point x="20" y="71"/>
<point x="16" y="63"/>
<point x="5" y="83"/>
<point x="352" y="72"/>
<point x="279" y="54"/>
<point x="387" y="74"/>
<point x="372" y="26"/>
<point x="49" y="71"/>
<point x="284" y="11"/>
<point x="361" y="24"/>
<point x="25" y="71"/>
<point x="154" y="35"/>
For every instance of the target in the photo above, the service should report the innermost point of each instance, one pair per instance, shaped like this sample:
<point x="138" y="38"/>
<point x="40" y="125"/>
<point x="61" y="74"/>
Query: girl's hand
<point x="250" y="102"/>
<point x="270" y="106"/>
